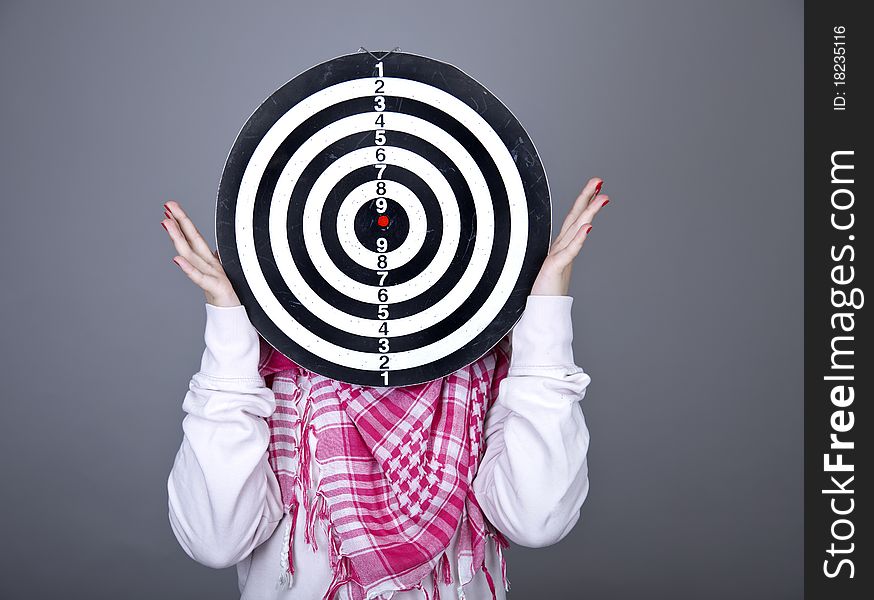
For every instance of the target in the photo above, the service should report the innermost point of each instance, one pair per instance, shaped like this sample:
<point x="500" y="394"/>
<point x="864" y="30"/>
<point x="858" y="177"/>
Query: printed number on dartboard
<point x="381" y="207"/>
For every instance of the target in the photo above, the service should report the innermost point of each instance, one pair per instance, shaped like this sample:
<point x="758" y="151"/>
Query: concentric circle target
<point x="383" y="221"/>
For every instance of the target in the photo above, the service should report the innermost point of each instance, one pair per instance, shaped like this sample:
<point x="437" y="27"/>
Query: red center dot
<point x="382" y="221"/>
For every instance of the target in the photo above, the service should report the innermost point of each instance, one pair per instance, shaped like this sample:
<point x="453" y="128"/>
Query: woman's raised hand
<point x="203" y="267"/>
<point x="196" y="259"/>
<point x="555" y="273"/>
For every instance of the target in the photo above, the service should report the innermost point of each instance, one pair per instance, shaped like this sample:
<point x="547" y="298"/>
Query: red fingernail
<point x="604" y="203"/>
<point x="164" y="225"/>
<point x="589" y="229"/>
<point x="177" y="263"/>
<point x="168" y="215"/>
<point x="598" y="187"/>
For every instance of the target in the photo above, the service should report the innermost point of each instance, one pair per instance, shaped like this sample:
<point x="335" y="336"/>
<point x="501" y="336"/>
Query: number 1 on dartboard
<point x="381" y="208"/>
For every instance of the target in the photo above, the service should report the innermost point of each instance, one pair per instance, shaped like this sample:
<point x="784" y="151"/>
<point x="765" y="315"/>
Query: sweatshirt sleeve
<point x="533" y="478"/>
<point x="224" y="499"/>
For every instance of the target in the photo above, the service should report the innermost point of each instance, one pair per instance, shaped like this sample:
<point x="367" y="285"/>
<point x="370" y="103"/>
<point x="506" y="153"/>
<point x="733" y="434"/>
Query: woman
<point x="251" y="454"/>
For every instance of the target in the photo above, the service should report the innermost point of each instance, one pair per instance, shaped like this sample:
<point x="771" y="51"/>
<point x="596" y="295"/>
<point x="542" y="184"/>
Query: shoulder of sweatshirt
<point x="542" y="339"/>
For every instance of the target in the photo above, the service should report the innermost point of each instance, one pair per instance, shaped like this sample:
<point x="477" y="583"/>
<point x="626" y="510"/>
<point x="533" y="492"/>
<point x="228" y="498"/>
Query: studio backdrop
<point x="687" y="306"/>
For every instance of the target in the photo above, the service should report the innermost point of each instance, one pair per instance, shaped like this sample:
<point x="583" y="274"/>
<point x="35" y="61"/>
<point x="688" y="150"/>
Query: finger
<point x="595" y="206"/>
<point x="573" y="247"/>
<point x="180" y="242"/>
<point x="587" y="216"/>
<point x="195" y="239"/>
<point x="190" y="231"/>
<point x="591" y="189"/>
<point x="570" y="235"/>
<point x="194" y="274"/>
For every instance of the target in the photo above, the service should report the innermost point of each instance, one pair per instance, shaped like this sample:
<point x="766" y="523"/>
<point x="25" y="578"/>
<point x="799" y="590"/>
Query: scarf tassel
<point x="421" y="586"/>
<point x="501" y="542"/>
<point x="286" y="559"/>
<point x="504" y="579"/>
<point x="341" y="577"/>
<point x="315" y="511"/>
<point x="447" y="571"/>
<point x="300" y="482"/>
<point x="441" y="569"/>
<point x="489" y="580"/>
<point x="305" y="474"/>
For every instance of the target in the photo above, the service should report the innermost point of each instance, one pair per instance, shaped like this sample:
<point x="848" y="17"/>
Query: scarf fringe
<point x="441" y="569"/>
<point x="341" y="577"/>
<point x="504" y="579"/>
<point x="304" y="471"/>
<point x="302" y="483"/>
<point x="315" y="512"/>
<point x="315" y="509"/>
<point x="501" y="542"/>
<point x="286" y="559"/>
<point x="489" y="581"/>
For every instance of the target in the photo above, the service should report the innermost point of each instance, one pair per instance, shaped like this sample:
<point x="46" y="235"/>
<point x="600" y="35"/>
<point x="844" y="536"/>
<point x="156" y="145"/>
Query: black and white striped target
<point x="382" y="218"/>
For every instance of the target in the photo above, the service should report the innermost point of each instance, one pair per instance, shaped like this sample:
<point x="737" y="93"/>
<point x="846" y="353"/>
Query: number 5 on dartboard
<point x="381" y="207"/>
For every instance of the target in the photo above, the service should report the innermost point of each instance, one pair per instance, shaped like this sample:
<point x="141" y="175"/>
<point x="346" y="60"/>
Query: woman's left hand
<point x="555" y="274"/>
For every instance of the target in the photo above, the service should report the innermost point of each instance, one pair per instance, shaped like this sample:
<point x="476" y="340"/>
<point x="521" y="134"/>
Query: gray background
<point x="688" y="293"/>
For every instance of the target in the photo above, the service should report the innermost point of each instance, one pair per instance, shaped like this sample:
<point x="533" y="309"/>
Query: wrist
<point x="223" y="301"/>
<point x="551" y="284"/>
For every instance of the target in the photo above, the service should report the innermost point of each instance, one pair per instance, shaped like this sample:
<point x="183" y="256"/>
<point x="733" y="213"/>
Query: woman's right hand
<point x="196" y="259"/>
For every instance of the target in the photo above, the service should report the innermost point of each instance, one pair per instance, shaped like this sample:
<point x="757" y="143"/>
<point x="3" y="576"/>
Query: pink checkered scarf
<point x="396" y="467"/>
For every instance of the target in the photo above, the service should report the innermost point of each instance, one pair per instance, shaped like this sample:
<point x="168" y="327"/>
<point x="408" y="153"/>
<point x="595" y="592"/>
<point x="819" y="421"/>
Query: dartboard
<point x="383" y="217"/>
